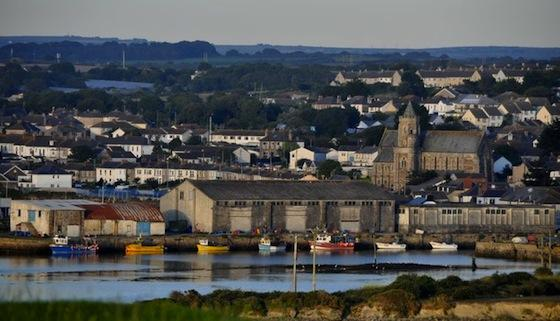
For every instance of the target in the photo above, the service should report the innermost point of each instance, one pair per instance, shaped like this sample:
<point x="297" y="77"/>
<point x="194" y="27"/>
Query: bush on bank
<point x="402" y="298"/>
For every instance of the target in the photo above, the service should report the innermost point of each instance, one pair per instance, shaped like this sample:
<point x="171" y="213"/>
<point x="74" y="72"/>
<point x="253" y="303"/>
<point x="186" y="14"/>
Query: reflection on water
<point x="138" y="277"/>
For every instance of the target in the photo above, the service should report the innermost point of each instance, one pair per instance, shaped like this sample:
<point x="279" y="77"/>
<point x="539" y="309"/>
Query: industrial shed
<point x="131" y="219"/>
<point x="209" y="206"/>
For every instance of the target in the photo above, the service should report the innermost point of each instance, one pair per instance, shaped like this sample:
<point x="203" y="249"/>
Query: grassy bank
<point x="95" y="311"/>
<point x="409" y="296"/>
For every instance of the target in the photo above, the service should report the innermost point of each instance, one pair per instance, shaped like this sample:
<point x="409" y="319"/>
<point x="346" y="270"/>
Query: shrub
<point x="189" y="298"/>
<point x="421" y="286"/>
<point x="464" y="292"/>
<point x="543" y="272"/>
<point x="396" y="302"/>
<point x="249" y="306"/>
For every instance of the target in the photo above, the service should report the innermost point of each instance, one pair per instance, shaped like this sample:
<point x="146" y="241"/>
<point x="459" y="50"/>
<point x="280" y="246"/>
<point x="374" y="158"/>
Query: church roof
<point x="444" y="141"/>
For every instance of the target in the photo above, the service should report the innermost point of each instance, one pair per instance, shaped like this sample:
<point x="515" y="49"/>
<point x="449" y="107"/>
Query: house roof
<point x="492" y="111"/>
<point x="49" y="170"/>
<point x="537" y="194"/>
<point x="291" y="190"/>
<point x="553" y="110"/>
<point x="125" y="140"/>
<point x="238" y="132"/>
<point x="478" y="113"/>
<point x="449" y="73"/>
<point x="452" y="141"/>
<point x="139" y="212"/>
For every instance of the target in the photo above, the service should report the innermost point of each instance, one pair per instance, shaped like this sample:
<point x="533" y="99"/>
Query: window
<point x="181" y="195"/>
<point x="19" y="213"/>
<point x="39" y="214"/>
<point x="537" y="212"/>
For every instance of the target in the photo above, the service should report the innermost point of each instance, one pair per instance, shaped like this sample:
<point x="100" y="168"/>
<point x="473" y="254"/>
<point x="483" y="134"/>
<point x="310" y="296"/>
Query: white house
<point x="244" y="155"/>
<point x="47" y="176"/>
<point x="139" y="146"/>
<point x="112" y="172"/>
<point x="313" y="154"/>
<point x="237" y="137"/>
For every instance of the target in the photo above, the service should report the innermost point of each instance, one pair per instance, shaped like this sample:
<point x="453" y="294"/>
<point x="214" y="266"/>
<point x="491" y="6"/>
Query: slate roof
<point x="49" y="170"/>
<point x="492" y="111"/>
<point x="291" y="190"/>
<point x="537" y="194"/>
<point x="478" y="113"/>
<point x="553" y="110"/>
<point x="125" y="140"/>
<point x="445" y="73"/>
<point x="238" y="132"/>
<point x="452" y="141"/>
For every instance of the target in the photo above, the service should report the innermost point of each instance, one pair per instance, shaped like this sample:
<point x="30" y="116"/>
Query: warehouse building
<point x="131" y="219"/>
<point x="476" y="218"/>
<point x="209" y="206"/>
<point x="48" y="217"/>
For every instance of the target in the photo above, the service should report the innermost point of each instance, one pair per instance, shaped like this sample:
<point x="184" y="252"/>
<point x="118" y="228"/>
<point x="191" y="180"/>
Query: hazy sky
<point x="341" y="23"/>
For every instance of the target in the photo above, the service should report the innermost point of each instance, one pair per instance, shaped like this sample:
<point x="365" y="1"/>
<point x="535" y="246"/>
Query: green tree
<point x="328" y="168"/>
<point x="151" y="183"/>
<point x="550" y="136"/>
<point x="82" y="153"/>
<point x="175" y="143"/>
<point x="194" y="140"/>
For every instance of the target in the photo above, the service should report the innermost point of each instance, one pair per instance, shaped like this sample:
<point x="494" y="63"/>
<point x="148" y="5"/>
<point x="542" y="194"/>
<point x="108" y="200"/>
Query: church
<point x="408" y="149"/>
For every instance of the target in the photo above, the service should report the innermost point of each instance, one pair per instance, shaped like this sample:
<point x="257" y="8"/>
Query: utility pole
<point x="103" y="193"/>
<point x="550" y="250"/>
<point x="374" y="249"/>
<point x="314" y="270"/>
<point x="294" y="271"/>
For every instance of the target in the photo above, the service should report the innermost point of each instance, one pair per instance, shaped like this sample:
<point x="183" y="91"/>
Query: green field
<point x="96" y="311"/>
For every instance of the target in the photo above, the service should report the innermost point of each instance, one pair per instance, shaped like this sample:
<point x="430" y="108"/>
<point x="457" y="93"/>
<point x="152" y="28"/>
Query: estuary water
<point x="142" y="277"/>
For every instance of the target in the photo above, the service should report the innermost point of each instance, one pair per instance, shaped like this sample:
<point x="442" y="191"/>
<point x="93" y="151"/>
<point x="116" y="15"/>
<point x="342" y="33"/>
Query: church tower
<point x="405" y="153"/>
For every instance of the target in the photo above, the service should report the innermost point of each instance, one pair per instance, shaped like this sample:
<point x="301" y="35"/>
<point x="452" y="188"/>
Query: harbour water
<point x="142" y="277"/>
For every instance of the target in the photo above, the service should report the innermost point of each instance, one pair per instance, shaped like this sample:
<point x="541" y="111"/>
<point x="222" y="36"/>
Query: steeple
<point x="409" y="111"/>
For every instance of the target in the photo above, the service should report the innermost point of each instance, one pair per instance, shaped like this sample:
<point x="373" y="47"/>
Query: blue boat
<point x="61" y="247"/>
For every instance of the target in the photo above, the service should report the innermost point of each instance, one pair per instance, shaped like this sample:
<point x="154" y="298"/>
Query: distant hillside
<point x="108" y="51"/>
<point x="5" y="40"/>
<point x="453" y="52"/>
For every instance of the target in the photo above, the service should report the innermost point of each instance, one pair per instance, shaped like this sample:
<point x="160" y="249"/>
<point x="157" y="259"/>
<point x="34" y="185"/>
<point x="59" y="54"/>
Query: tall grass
<point x="97" y="311"/>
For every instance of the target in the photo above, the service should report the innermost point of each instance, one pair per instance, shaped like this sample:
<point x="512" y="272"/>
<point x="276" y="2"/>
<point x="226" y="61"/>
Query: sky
<point x="333" y="23"/>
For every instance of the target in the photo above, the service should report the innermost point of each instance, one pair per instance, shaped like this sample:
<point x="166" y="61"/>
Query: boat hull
<point x="272" y="248"/>
<point x="346" y="246"/>
<point x="443" y="246"/>
<point x="212" y="248"/>
<point x="391" y="246"/>
<point x="144" y="249"/>
<point x="72" y="249"/>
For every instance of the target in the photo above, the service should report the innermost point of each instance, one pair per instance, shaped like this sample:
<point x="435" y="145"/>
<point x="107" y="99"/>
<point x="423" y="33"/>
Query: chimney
<point x="338" y="99"/>
<point x="51" y="142"/>
<point x="290" y="135"/>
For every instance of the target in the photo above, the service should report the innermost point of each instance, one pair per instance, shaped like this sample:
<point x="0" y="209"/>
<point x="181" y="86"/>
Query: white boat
<point x="443" y="246"/>
<point x="390" y="246"/>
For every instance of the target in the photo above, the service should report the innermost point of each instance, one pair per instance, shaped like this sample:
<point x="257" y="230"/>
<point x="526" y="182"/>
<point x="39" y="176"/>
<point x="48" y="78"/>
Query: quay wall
<point x="187" y="242"/>
<point x="524" y="252"/>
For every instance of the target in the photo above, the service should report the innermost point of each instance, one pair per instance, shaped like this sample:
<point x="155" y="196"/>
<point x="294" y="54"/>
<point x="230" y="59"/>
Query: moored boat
<point x="326" y="242"/>
<point x="443" y="246"/>
<point x="61" y="246"/>
<point x="139" y="248"/>
<point x="390" y="246"/>
<point x="267" y="245"/>
<point x="208" y="247"/>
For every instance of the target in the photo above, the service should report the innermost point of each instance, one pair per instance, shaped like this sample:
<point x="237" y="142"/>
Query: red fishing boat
<point x="326" y="242"/>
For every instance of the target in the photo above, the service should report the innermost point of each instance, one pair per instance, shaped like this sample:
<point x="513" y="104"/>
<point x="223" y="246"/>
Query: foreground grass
<point x="97" y="311"/>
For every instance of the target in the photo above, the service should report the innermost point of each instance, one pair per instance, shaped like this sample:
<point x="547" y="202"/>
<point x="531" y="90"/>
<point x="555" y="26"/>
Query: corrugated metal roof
<point x="130" y="211"/>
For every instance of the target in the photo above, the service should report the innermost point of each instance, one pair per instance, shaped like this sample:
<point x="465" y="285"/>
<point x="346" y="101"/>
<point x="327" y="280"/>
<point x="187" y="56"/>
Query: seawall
<point x="525" y="252"/>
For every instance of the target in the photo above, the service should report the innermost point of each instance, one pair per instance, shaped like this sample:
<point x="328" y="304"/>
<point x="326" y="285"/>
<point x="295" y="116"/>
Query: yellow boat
<point x="205" y="247"/>
<point x="136" y="248"/>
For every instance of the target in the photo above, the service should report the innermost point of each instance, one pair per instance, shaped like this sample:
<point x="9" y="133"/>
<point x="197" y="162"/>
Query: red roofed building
<point x="131" y="219"/>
